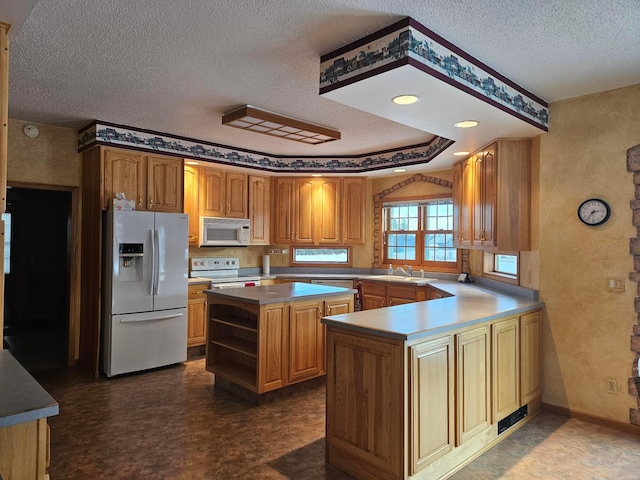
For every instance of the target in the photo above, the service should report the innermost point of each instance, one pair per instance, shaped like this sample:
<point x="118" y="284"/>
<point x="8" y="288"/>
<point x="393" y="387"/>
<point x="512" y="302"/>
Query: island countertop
<point x="470" y="304"/>
<point x="22" y="399"/>
<point x="284" y="292"/>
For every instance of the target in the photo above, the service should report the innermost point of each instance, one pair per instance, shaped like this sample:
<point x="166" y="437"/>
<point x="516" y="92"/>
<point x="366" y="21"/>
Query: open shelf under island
<point x="268" y="337"/>
<point x="417" y="391"/>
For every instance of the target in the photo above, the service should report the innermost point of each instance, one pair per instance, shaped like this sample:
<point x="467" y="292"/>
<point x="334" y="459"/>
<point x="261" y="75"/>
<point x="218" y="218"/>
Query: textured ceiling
<point x="177" y="67"/>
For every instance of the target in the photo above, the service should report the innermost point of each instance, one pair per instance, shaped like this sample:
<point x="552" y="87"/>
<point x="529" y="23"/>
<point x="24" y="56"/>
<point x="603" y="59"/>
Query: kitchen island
<point x="419" y="390"/>
<point x="264" y="338"/>
<point x="24" y="433"/>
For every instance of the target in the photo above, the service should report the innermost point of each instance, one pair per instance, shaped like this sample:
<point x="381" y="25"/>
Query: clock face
<point x="594" y="211"/>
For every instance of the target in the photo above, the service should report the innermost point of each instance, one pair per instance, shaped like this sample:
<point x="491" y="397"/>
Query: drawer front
<point x="401" y="291"/>
<point x="197" y="291"/>
<point x="374" y="288"/>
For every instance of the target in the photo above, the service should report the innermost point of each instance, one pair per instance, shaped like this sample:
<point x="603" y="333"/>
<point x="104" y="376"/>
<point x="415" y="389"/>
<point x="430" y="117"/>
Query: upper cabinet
<point x="319" y="211"/>
<point x="259" y="206"/>
<point x="491" y="196"/>
<point x="152" y="182"/>
<point x="191" y="202"/>
<point x="223" y="193"/>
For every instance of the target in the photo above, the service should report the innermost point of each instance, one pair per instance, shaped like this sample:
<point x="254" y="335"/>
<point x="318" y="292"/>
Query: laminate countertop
<point x="284" y="292"/>
<point x="469" y="305"/>
<point x="22" y="399"/>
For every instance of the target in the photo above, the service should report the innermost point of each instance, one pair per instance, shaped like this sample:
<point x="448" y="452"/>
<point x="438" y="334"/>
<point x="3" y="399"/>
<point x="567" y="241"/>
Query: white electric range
<point x="222" y="272"/>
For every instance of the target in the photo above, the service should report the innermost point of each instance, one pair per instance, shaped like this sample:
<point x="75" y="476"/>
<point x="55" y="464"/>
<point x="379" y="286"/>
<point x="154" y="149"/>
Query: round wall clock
<point x="594" y="211"/>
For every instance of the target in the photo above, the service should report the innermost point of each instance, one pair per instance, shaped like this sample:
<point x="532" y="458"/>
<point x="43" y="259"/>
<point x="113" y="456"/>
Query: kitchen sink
<point x="399" y="279"/>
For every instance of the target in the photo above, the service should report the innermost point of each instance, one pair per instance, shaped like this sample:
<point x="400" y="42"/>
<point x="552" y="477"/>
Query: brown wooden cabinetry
<point x="192" y="202"/>
<point x="491" y="197"/>
<point x="386" y="294"/>
<point x="259" y="209"/>
<point x="197" y="315"/>
<point x="24" y="450"/>
<point x="223" y="193"/>
<point x="319" y="211"/>
<point x="265" y="347"/>
<point x="153" y="182"/>
<point x="530" y="357"/>
<point x="473" y="383"/>
<point x="432" y="401"/>
<point x="506" y="367"/>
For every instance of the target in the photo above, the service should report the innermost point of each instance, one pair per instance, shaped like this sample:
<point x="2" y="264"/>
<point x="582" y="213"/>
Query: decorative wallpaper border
<point x="103" y="133"/>
<point x="408" y="42"/>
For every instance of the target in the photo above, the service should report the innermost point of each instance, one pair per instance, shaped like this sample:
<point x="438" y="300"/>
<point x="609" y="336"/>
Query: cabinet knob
<point x="139" y="201"/>
<point x="150" y="202"/>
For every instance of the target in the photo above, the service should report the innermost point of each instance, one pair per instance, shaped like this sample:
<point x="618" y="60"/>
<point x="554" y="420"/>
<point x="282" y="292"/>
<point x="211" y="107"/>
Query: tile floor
<point x="173" y="424"/>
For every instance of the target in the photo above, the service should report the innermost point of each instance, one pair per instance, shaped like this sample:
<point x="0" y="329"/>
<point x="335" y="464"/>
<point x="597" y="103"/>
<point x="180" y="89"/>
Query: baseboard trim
<point x="605" y="422"/>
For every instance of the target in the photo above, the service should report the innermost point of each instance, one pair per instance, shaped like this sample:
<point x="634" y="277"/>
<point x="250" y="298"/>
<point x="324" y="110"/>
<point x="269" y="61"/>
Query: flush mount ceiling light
<point x="466" y="124"/>
<point x="400" y="170"/>
<point x="406" y="99"/>
<point x="460" y="154"/>
<point x="262" y="121"/>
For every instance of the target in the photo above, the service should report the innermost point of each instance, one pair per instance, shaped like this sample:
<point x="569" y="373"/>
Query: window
<point x="501" y="266"/>
<point x="420" y="233"/>
<point x="321" y="256"/>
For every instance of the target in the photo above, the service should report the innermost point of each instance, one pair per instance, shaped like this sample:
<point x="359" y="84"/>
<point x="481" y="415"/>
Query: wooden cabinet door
<point x="306" y="357"/>
<point x="328" y="194"/>
<point x="304" y="218"/>
<point x="165" y="177"/>
<point x="124" y="172"/>
<point x="506" y="368"/>
<point x="530" y="357"/>
<point x="259" y="209"/>
<point x="353" y="210"/>
<point x="191" y="203"/>
<point x="432" y="407"/>
<point x="374" y="295"/>
<point x="484" y="198"/>
<point x="457" y="202"/>
<point x="283" y="211"/>
<point x="196" y="315"/>
<point x="212" y="192"/>
<point x="463" y="202"/>
<point x="236" y="193"/>
<point x="400" y="294"/>
<point x="270" y="353"/>
<point x="332" y="307"/>
<point x="365" y="404"/>
<point x="473" y="382"/>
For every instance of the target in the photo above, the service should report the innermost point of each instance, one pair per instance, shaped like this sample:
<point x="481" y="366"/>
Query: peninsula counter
<point x="416" y="391"/>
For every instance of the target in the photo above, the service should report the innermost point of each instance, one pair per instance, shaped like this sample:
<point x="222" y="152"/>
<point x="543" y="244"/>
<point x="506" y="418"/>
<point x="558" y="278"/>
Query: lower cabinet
<point x="432" y="405"/>
<point x="473" y="383"/>
<point x="506" y="367"/>
<point x="386" y="294"/>
<point x="197" y="315"/>
<point x="24" y="450"/>
<point x="265" y="347"/>
<point x="457" y="387"/>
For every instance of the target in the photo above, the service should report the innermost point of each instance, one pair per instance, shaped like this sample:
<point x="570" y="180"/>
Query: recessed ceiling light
<point x="406" y="99"/>
<point x="316" y="174"/>
<point x="466" y="124"/>
<point x="460" y="154"/>
<point x="400" y="170"/>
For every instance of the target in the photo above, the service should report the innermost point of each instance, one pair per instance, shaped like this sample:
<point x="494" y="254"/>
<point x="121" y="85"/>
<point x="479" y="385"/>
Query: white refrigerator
<point x="144" y="321"/>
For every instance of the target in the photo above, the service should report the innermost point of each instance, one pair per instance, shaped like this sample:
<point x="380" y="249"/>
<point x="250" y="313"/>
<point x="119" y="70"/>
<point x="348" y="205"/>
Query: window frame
<point x="489" y="271"/>
<point x="419" y="262"/>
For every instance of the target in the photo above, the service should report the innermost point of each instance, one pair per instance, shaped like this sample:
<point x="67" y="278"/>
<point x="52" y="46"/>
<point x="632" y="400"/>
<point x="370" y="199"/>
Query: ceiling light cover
<point x="466" y="124"/>
<point x="406" y="99"/>
<point x="262" y="121"/>
<point x="460" y="154"/>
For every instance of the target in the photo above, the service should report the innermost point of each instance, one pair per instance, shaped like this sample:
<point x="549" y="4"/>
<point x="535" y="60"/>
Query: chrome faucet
<point x="402" y="271"/>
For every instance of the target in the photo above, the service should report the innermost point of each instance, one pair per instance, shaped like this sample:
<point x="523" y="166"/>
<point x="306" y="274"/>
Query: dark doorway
<point x="36" y="300"/>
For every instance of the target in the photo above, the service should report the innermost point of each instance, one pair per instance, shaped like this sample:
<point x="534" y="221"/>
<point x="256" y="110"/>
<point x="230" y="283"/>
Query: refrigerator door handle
<point x="152" y="280"/>
<point x="156" y="261"/>
<point x="162" y="317"/>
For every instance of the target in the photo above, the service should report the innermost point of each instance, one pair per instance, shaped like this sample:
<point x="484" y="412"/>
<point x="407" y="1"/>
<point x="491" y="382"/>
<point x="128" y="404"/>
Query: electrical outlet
<point x="615" y="284"/>
<point x="612" y="386"/>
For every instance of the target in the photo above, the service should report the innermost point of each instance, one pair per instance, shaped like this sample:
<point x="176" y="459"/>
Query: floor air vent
<point x="512" y="419"/>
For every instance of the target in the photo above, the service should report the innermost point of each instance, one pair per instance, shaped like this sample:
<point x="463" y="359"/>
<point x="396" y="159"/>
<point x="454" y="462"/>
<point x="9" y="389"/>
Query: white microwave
<point x="224" y="232"/>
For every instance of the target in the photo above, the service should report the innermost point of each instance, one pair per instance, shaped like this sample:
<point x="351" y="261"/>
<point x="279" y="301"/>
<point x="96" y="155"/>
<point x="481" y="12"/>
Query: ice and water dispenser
<point x="131" y="262"/>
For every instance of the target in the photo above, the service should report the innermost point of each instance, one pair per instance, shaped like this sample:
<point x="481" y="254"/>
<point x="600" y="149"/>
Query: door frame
<point x="73" y="332"/>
